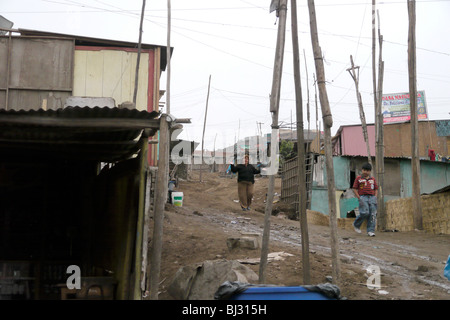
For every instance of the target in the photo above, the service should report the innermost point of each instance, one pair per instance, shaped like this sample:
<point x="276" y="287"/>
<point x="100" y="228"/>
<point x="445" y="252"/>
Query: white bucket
<point x="177" y="199"/>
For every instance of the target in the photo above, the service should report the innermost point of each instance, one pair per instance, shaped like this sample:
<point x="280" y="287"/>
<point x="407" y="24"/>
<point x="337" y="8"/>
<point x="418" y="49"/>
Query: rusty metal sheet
<point x="41" y="64"/>
<point x="35" y="72"/>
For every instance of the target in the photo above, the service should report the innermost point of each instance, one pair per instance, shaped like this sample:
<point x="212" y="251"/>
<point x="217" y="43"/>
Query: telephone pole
<point x="138" y="60"/>
<point x="415" y="160"/>
<point x="328" y="123"/>
<point x="281" y="8"/>
<point x="204" y="127"/>
<point x="301" y="176"/>
<point x="168" y="71"/>
<point x="379" y="138"/>
<point x="362" y="116"/>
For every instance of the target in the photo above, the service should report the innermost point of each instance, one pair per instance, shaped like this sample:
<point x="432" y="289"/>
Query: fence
<point x="435" y="213"/>
<point x="289" y="183"/>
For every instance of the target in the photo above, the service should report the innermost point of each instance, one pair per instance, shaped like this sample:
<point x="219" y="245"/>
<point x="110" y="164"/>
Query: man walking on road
<point x="366" y="189"/>
<point x="246" y="180"/>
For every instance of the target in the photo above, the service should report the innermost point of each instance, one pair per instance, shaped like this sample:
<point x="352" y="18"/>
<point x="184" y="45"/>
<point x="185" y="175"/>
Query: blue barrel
<point x="279" y="293"/>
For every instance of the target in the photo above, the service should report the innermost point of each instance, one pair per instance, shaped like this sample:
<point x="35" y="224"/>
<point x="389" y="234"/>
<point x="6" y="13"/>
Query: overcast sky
<point x="234" y="42"/>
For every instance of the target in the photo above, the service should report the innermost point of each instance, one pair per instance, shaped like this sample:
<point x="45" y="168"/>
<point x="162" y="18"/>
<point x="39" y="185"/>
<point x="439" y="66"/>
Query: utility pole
<point x="281" y="8"/>
<point x="317" y="113"/>
<point x="307" y="91"/>
<point x="362" y="116"/>
<point x="169" y="14"/>
<point x="301" y="176"/>
<point x="415" y="160"/>
<point x="328" y="123"/>
<point x="204" y="127"/>
<point x="138" y="60"/>
<point x="374" y="71"/>
<point x="162" y="180"/>
<point x="379" y="138"/>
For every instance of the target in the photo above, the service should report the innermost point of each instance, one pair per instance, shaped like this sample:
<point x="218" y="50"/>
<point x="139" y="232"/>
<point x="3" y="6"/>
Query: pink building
<point x="349" y="141"/>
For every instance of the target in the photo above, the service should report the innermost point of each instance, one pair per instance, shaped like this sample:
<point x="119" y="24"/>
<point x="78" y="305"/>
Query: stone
<point x="200" y="281"/>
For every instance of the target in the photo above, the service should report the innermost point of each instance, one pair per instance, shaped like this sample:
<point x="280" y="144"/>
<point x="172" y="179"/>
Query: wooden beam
<point x="274" y="107"/>
<point x="362" y="115"/>
<point x="301" y="176"/>
<point x="415" y="160"/>
<point x="162" y="178"/>
<point x="328" y="123"/>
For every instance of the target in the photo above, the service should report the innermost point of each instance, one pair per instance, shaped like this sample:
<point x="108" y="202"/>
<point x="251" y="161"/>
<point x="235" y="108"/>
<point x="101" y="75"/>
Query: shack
<point x="77" y="181"/>
<point x="350" y="154"/>
<point x="72" y="192"/>
<point x="41" y="70"/>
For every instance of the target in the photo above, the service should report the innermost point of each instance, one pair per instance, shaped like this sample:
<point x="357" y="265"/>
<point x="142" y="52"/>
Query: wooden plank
<point x="94" y="74"/>
<point x="161" y="199"/>
<point x="112" y="75"/>
<point x="127" y="82"/>
<point x="141" y="99"/>
<point x="141" y="219"/>
<point x="36" y="99"/>
<point x="80" y="74"/>
<point x="3" y="62"/>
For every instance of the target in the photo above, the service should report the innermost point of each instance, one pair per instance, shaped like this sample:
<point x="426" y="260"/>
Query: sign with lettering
<point x="396" y="107"/>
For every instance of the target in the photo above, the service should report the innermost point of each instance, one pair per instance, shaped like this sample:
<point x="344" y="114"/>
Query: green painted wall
<point x="433" y="176"/>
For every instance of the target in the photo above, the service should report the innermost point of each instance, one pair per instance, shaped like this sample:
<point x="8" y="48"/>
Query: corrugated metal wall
<point x="353" y="141"/>
<point x="397" y="140"/>
<point x="35" y="72"/>
<point x="106" y="72"/>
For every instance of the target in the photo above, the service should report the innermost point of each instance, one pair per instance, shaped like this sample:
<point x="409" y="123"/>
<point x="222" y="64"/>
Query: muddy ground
<point x="411" y="263"/>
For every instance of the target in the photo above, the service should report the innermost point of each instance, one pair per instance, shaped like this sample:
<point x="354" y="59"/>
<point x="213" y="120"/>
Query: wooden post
<point x="204" y="127"/>
<point x="300" y="148"/>
<point x="317" y="113"/>
<point x="307" y="91"/>
<point x="374" y="71"/>
<point x="379" y="138"/>
<point x="161" y="190"/>
<point x="328" y="123"/>
<point x="168" y="69"/>
<point x="415" y="160"/>
<point x="274" y="107"/>
<point x="136" y="76"/>
<point x="362" y="116"/>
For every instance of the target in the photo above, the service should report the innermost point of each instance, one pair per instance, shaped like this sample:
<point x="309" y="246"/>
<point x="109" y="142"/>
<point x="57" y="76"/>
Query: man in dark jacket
<point x="246" y="180"/>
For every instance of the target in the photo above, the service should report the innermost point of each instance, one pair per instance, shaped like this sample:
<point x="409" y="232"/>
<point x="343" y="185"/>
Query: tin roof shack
<point x="72" y="192"/>
<point x="350" y="154"/>
<point x="433" y="175"/>
<point x="72" y="177"/>
<point x="41" y="69"/>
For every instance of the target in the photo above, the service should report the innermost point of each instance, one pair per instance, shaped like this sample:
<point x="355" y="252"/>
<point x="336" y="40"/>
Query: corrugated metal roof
<point x="84" y="112"/>
<point x="100" y="134"/>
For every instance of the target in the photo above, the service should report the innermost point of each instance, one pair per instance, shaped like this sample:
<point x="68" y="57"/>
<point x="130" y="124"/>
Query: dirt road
<point x="411" y="263"/>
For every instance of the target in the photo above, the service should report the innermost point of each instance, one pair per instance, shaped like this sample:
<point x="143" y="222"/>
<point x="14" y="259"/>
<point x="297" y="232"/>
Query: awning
<point x="78" y="133"/>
